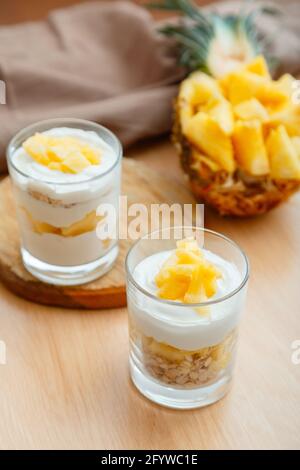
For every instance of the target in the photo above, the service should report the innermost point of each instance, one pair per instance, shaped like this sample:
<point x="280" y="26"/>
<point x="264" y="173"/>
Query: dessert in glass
<point x="185" y="300"/>
<point x="62" y="172"/>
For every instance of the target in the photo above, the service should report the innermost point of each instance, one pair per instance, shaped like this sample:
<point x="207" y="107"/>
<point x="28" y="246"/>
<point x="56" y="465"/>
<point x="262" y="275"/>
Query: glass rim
<point x="181" y="304"/>
<point x="27" y="129"/>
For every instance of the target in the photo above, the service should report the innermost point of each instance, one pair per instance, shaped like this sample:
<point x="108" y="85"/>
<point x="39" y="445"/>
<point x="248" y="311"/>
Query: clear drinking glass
<point x="177" y="358"/>
<point x="58" y="220"/>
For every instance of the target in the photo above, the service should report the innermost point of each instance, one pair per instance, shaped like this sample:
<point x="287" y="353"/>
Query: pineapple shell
<point x="234" y="194"/>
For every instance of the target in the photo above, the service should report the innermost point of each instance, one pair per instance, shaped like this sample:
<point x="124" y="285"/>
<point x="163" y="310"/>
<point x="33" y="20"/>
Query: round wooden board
<point x="141" y="185"/>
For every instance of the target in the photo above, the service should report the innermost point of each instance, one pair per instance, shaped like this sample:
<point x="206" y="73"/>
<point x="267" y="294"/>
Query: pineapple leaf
<point x="215" y="42"/>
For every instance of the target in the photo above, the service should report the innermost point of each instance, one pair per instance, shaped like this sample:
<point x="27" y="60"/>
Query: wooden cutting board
<point x="141" y="185"/>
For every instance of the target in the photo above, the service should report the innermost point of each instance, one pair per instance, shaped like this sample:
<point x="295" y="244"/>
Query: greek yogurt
<point x="54" y="201"/>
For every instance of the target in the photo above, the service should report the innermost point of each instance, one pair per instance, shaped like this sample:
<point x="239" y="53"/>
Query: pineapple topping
<point x="87" y="224"/>
<point x="65" y="154"/>
<point x="187" y="276"/>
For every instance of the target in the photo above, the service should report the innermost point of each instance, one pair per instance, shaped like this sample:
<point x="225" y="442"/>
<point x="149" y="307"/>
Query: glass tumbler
<point x="58" y="220"/>
<point x="180" y="358"/>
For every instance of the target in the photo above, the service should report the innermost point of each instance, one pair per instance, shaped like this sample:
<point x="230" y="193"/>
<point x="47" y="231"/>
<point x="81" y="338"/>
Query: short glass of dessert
<point x="186" y="288"/>
<point x="64" y="172"/>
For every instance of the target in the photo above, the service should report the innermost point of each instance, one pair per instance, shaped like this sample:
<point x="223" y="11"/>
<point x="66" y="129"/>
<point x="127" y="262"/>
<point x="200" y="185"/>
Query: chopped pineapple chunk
<point x="251" y="109"/>
<point x="66" y="154"/>
<point x="206" y="134"/>
<point x="286" y="84"/>
<point x="221" y="111"/>
<point x="165" y="350"/>
<point x="249" y="147"/>
<point x="87" y="224"/>
<point x="243" y="85"/>
<point x="75" y="162"/>
<point x="195" y="92"/>
<point x="289" y="117"/>
<point x="296" y="144"/>
<point x="36" y="147"/>
<point x="284" y="160"/>
<point x="258" y="66"/>
<point x="187" y="276"/>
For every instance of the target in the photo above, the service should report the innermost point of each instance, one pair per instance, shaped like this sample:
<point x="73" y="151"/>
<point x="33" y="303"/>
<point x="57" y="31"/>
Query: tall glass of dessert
<point x="186" y="288"/>
<point x="64" y="172"/>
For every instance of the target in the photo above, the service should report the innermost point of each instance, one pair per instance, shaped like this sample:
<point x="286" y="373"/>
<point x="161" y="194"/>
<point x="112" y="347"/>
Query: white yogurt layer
<point x="182" y="326"/>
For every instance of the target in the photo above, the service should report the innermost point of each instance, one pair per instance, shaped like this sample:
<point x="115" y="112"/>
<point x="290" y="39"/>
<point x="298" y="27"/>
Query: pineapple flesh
<point x="236" y="129"/>
<point x="187" y="276"/>
<point x="65" y="154"/>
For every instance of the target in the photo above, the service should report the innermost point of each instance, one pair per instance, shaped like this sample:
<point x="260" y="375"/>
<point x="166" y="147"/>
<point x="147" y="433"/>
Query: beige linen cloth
<point x="107" y="63"/>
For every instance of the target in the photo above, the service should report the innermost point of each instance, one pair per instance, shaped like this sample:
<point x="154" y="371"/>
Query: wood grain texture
<point x="140" y="185"/>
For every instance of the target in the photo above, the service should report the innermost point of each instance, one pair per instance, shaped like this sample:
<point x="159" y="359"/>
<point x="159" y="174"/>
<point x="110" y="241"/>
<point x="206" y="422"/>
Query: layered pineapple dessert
<point x="61" y="177"/>
<point x="237" y="130"/>
<point x="182" y="335"/>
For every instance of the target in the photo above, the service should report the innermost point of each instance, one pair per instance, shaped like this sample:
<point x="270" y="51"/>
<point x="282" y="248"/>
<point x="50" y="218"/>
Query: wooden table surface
<point x="66" y="382"/>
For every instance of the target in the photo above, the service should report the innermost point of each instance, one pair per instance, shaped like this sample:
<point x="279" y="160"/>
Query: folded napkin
<point x="103" y="62"/>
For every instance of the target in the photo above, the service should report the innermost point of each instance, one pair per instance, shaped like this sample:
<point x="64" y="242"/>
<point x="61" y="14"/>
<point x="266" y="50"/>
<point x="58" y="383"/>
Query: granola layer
<point x="187" y="369"/>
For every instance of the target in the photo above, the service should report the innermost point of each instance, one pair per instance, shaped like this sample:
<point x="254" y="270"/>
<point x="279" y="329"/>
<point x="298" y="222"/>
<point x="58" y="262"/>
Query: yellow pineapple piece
<point x="289" y="117"/>
<point x="55" y="166"/>
<point x="286" y="84"/>
<point x="296" y="144"/>
<point x="244" y="85"/>
<point x="187" y="276"/>
<point x="36" y="147"/>
<point x="195" y="92"/>
<point x="258" y="66"/>
<point x="185" y="256"/>
<point x="251" y="109"/>
<point x="181" y="271"/>
<point x="66" y="154"/>
<point x="165" y="350"/>
<point x="250" y="151"/>
<point x="91" y="154"/>
<point x="173" y="289"/>
<point x="75" y="162"/>
<point x="205" y="88"/>
<point x="221" y="111"/>
<point x="43" y="227"/>
<point x="40" y="227"/>
<point x="284" y="160"/>
<point x="206" y="134"/>
<point x="189" y="244"/>
<point x="87" y="224"/>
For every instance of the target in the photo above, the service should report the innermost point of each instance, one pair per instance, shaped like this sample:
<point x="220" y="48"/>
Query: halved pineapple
<point x="229" y="165"/>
